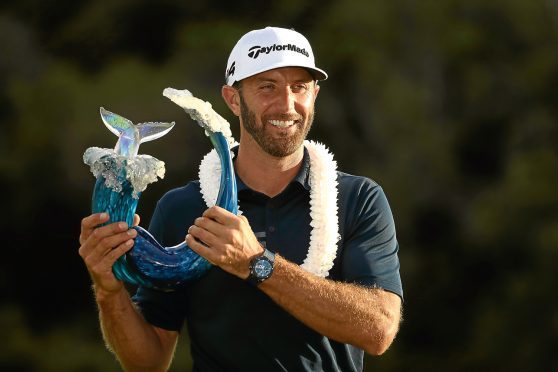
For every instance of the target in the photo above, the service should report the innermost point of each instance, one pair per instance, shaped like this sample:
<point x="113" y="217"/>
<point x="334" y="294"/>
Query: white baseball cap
<point x="269" y="48"/>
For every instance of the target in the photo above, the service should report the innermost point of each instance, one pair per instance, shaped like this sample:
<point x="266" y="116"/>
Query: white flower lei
<point x="323" y="203"/>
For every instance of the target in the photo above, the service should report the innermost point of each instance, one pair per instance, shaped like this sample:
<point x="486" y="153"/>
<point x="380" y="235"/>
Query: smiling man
<point x="307" y="278"/>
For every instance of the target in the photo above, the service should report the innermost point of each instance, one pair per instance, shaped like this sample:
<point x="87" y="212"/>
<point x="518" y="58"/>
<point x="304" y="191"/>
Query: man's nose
<point x="286" y="100"/>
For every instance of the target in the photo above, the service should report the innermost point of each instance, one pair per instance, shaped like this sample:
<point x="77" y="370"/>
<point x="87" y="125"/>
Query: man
<point x="307" y="278"/>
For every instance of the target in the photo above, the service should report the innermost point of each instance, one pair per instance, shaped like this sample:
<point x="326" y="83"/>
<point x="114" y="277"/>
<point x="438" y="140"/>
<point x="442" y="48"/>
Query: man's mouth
<point x="282" y="123"/>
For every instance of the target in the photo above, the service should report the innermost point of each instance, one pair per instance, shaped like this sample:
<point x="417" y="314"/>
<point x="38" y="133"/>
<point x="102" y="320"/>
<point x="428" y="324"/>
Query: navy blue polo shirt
<point x="233" y="326"/>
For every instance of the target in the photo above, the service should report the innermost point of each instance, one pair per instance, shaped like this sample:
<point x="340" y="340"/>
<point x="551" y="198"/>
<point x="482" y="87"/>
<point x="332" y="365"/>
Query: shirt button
<point x="271" y="229"/>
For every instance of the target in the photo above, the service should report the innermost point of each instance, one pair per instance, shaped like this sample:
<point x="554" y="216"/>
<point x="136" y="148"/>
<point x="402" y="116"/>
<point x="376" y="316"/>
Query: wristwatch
<point x="261" y="267"/>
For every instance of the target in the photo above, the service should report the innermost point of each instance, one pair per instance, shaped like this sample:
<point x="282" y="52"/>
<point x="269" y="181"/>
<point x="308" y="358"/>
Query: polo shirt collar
<point x="302" y="177"/>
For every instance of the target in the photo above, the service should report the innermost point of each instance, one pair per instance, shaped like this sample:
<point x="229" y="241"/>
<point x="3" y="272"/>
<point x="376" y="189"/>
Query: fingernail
<point x="129" y="243"/>
<point x="122" y="225"/>
<point x="131" y="232"/>
<point x="103" y="216"/>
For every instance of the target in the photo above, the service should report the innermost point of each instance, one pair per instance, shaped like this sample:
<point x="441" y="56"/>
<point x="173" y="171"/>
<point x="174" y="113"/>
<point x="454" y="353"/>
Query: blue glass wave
<point x="148" y="263"/>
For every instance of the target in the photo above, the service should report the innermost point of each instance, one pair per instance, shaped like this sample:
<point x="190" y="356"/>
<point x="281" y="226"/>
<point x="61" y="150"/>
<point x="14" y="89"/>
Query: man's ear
<point x="232" y="99"/>
<point x="316" y="90"/>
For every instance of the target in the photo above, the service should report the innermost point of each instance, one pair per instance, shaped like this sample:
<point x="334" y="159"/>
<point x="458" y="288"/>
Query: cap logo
<point x="230" y="71"/>
<point x="255" y="51"/>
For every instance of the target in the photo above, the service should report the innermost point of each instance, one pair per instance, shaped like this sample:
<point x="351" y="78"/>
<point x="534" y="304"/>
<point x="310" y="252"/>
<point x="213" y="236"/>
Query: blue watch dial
<point x="262" y="268"/>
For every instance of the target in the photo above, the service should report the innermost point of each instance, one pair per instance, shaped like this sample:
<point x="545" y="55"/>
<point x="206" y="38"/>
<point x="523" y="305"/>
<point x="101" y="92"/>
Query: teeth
<point x="281" y="124"/>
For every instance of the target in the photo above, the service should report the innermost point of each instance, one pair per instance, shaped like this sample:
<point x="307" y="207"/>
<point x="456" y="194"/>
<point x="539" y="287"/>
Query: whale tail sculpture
<point x="130" y="136"/>
<point x="148" y="263"/>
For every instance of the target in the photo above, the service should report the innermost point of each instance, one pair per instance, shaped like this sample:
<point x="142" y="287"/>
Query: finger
<point x="203" y="235"/>
<point x="94" y="220"/>
<point x="89" y="223"/>
<point x="104" y="266"/>
<point x="94" y="254"/>
<point x="112" y="242"/>
<point x="244" y="219"/>
<point x="219" y="214"/>
<point x="200" y="249"/>
<point x="209" y="225"/>
<point x="136" y="220"/>
<point x="97" y="235"/>
<point x="117" y="252"/>
<point x="108" y="230"/>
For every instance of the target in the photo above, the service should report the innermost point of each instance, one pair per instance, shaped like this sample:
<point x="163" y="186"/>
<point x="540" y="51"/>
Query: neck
<point x="265" y="173"/>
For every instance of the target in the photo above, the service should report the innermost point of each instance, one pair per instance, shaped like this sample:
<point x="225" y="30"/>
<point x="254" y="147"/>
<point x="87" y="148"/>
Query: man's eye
<point x="300" y="88"/>
<point x="266" y="88"/>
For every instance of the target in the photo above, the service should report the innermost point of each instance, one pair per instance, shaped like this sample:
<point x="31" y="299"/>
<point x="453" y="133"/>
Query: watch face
<point x="262" y="268"/>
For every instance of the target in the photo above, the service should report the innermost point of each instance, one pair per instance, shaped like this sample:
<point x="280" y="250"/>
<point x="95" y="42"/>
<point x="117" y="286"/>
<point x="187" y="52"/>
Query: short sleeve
<point x="370" y="249"/>
<point x="161" y="309"/>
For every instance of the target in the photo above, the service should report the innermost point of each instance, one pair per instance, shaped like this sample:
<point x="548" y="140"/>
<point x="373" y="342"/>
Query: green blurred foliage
<point x="450" y="106"/>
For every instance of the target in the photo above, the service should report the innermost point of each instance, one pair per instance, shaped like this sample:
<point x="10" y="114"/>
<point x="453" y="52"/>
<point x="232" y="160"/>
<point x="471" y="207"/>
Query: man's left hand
<point x="225" y="240"/>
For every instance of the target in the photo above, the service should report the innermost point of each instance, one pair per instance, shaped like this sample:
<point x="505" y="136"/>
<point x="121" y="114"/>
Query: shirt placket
<point x="271" y="225"/>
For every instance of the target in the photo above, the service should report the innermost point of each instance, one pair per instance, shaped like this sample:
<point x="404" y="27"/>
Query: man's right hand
<point x="101" y="247"/>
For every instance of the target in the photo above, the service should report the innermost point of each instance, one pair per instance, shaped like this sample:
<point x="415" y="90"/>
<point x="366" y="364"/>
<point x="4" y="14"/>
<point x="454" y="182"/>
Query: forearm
<point x="366" y="318"/>
<point x="135" y="342"/>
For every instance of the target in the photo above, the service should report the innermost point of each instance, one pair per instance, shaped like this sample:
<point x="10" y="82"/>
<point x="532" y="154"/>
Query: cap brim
<point x="317" y="74"/>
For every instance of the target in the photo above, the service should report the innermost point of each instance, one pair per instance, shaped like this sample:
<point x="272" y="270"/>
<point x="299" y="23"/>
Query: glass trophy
<point x="122" y="175"/>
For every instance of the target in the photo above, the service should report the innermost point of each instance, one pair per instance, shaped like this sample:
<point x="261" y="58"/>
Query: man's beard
<point x="277" y="147"/>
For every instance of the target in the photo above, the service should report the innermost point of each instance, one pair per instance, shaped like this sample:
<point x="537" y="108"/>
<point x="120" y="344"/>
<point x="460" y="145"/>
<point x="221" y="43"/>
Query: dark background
<point x="450" y="105"/>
